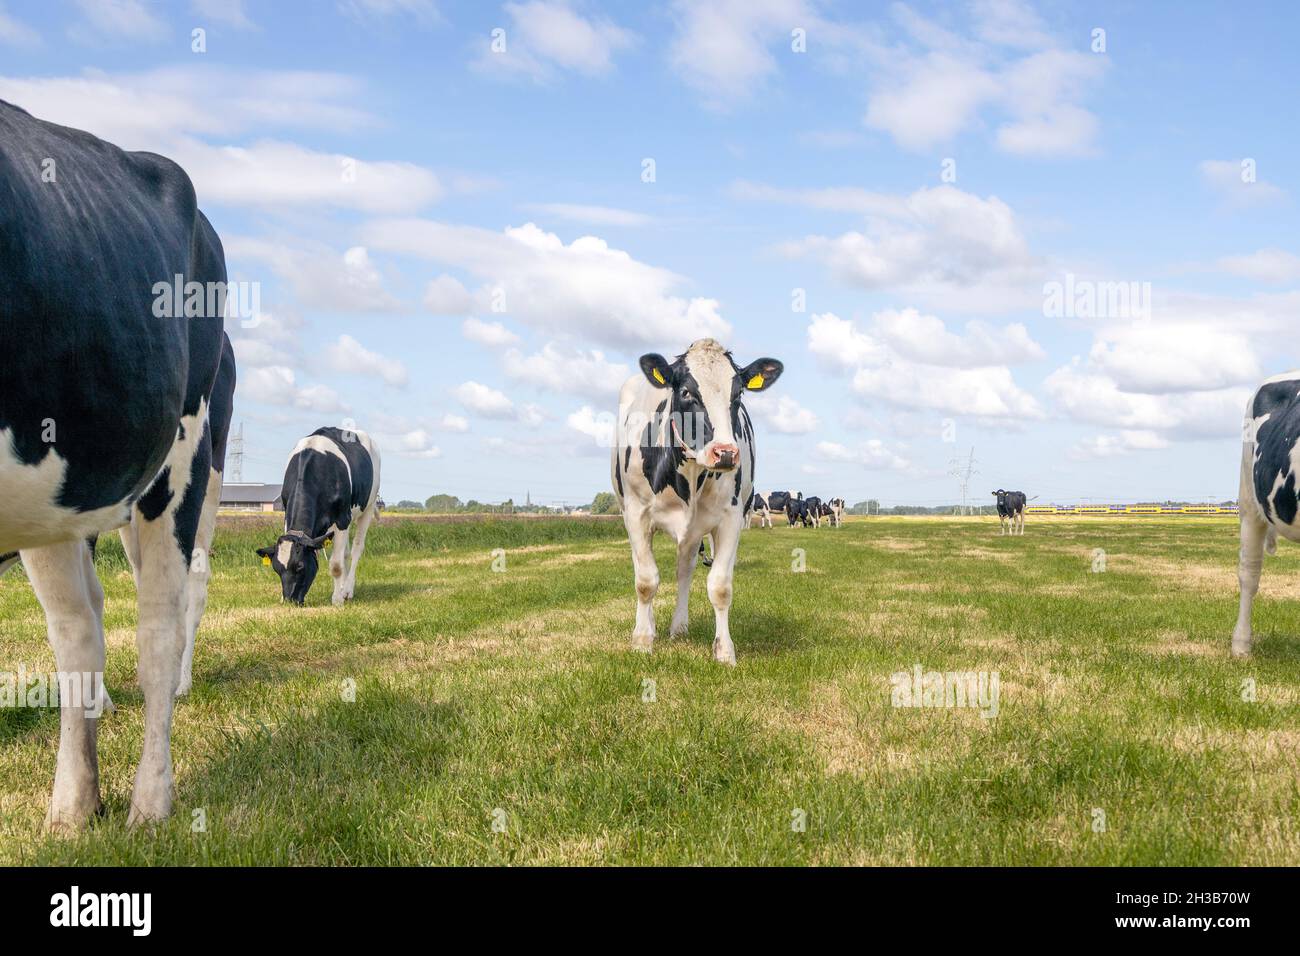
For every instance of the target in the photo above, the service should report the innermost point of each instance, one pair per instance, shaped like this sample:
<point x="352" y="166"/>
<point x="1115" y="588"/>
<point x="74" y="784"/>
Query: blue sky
<point x="458" y="249"/>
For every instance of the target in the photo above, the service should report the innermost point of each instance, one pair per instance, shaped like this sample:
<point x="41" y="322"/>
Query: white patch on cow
<point x="282" y="552"/>
<point x="31" y="516"/>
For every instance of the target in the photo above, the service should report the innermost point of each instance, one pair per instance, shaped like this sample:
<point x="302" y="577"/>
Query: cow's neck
<point x="302" y="514"/>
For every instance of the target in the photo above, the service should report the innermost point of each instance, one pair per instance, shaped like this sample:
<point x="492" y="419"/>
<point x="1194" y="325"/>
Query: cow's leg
<point x="687" y="552"/>
<point x="58" y="575"/>
<point x="640" y="533"/>
<point x="167" y="519"/>
<point x="339" y="566"/>
<point x="95" y="591"/>
<point x="1254" y="532"/>
<point x="726" y="539"/>
<point x="131" y="545"/>
<point x="199" y="577"/>
<point x="358" y="549"/>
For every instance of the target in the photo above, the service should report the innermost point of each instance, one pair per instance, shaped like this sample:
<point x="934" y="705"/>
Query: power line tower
<point x="963" y="470"/>
<point x="237" y="455"/>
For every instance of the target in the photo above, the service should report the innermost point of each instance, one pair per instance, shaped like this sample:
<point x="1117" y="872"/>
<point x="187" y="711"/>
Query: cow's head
<point x="294" y="558"/>
<point x="1002" y="497"/>
<point x="705" y="388"/>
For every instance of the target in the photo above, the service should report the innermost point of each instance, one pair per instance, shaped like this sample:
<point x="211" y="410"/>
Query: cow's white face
<point x="704" y="391"/>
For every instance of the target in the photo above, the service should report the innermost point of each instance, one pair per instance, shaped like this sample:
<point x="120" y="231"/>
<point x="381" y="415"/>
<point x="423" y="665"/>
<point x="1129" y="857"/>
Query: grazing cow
<point x="331" y="482"/>
<point x="776" y="501"/>
<point x="813" y="509"/>
<point x="758" y="507"/>
<point x="104" y="417"/>
<point x="1269" y="495"/>
<point x="683" y="463"/>
<point x="834" y="510"/>
<point x="1011" y="511"/>
<point x="796" y="509"/>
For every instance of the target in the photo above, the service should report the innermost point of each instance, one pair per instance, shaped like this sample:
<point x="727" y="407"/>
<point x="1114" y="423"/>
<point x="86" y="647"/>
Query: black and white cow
<point x="1269" y="496"/>
<point x="683" y="463"/>
<point x="104" y="417"/>
<point x="1011" y="511"/>
<point x="330" y="483"/>
<point x="813" y="511"/>
<point x="796" y="509"/>
<point x="834" y="511"/>
<point x="776" y="501"/>
<point x="758" y="509"/>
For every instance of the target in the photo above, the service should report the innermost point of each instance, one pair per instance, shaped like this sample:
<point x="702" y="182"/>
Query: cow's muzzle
<point x="722" y="457"/>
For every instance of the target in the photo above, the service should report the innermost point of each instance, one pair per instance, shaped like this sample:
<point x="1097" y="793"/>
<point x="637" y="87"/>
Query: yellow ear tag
<point x="755" y="383"/>
<point x="266" y="561"/>
<point x="659" y="376"/>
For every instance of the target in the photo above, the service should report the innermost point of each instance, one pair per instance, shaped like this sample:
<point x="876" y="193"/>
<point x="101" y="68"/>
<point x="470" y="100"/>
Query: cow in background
<point x="758" y="507"/>
<point x="683" y="463"/>
<point x="1269" y="495"/>
<point x="813" y="509"/>
<point x="1011" y="511"/>
<point x="330" y="484"/>
<point x="105" y="408"/>
<point x="834" y="510"/>
<point x="796" y="509"/>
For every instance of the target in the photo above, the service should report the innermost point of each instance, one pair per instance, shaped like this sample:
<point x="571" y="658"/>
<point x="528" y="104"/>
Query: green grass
<point x="478" y="691"/>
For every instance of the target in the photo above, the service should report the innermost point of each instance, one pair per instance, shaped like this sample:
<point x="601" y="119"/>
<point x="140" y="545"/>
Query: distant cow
<point x="1011" y="511"/>
<point x="777" y="500"/>
<point x="331" y="483"/>
<point x="105" y="408"/>
<point x="813" y="510"/>
<point x="758" y="509"/>
<point x="834" y="510"/>
<point x="1269" y="496"/>
<point x="796" y="509"/>
<point x="683" y="463"/>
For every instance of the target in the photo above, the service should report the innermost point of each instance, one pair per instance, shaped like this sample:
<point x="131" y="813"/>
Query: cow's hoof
<point x="183" y="689"/>
<point x="724" y="655"/>
<point x="643" y="643"/>
<point x="679" y="627"/>
<point x="1240" y="649"/>
<point x="71" y="821"/>
<point x="337" y="600"/>
<point x="150" y="811"/>
<point x="109" y="706"/>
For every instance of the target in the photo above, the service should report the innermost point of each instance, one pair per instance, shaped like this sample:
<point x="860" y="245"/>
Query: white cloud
<point x="583" y="373"/>
<point x="586" y="288"/>
<point x="416" y="443"/>
<point x="228" y="12"/>
<point x="485" y="401"/>
<point x="940" y="245"/>
<point x="1238" y="183"/>
<point x="320" y="277"/>
<point x="1157" y="358"/>
<point x="117" y="20"/>
<point x="598" y="426"/>
<point x="15" y="32"/>
<point x="839" y="344"/>
<point x="873" y="455"/>
<point x="590" y="215"/>
<point x="1265" y="265"/>
<point x="453" y="423"/>
<point x="940" y="84"/>
<point x="547" y="36"/>
<point x="492" y="334"/>
<point x="986" y="393"/>
<point x="721" y="47"/>
<point x="782" y="414"/>
<point x="446" y="296"/>
<point x="1111" y="446"/>
<point x="278" y="385"/>
<point x="924" y="338"/>
<point x="349" y="356"/>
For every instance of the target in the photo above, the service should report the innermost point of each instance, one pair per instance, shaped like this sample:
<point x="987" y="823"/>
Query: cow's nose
<point x="725" y="456"/>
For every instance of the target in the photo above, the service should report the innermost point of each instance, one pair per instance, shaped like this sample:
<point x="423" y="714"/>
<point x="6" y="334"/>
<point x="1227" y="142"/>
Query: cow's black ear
<point x="656" y="369"/>
<point x="760" y="374"/>
<point x="265" y="552"/>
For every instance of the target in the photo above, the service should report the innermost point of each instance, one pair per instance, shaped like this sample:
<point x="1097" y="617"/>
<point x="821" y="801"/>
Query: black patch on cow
<point x="155" y="501"/>
<point x="1274" y="442"/>
<point x="660" y="465"/>
<point x="191" y="506"/>
<point x="82" y="346"/>
<point x="221" y="405"/>
<point x="618" y="475"/>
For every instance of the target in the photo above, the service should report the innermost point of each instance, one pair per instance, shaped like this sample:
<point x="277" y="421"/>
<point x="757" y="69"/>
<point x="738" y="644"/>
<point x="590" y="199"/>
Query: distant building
<point x="251" y="496"/>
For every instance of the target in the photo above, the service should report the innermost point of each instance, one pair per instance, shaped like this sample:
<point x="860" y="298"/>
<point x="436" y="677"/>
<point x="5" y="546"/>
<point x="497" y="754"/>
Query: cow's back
<point x="89" y="371"/>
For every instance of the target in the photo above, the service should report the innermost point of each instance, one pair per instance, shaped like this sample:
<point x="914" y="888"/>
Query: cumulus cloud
<point x="1111" y="446"/>
<point x="873" y="455"/>
<point x="1158" y="358"/>
<point x="349" y="356"/>
<point x="1264" y="265"/>
<point x="940" y="245"/>
<point x="581" y="372"/>
<point x="446" y="296"/>
<point x="492" y="334"/>
<point x="782" y="414"/>
<point x="485" y="401"/>
<point x="416" y="443"/>
<point x="590" y="215"/>
<point x="585" y="288"/>
<point x="1237" y="182"/>
<point x="546" y="36"/>
<point x="278" y="385"/>
<point x="319" y="276"/>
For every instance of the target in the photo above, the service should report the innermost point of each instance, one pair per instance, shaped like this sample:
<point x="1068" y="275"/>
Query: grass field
<point x="513" y="699"/>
